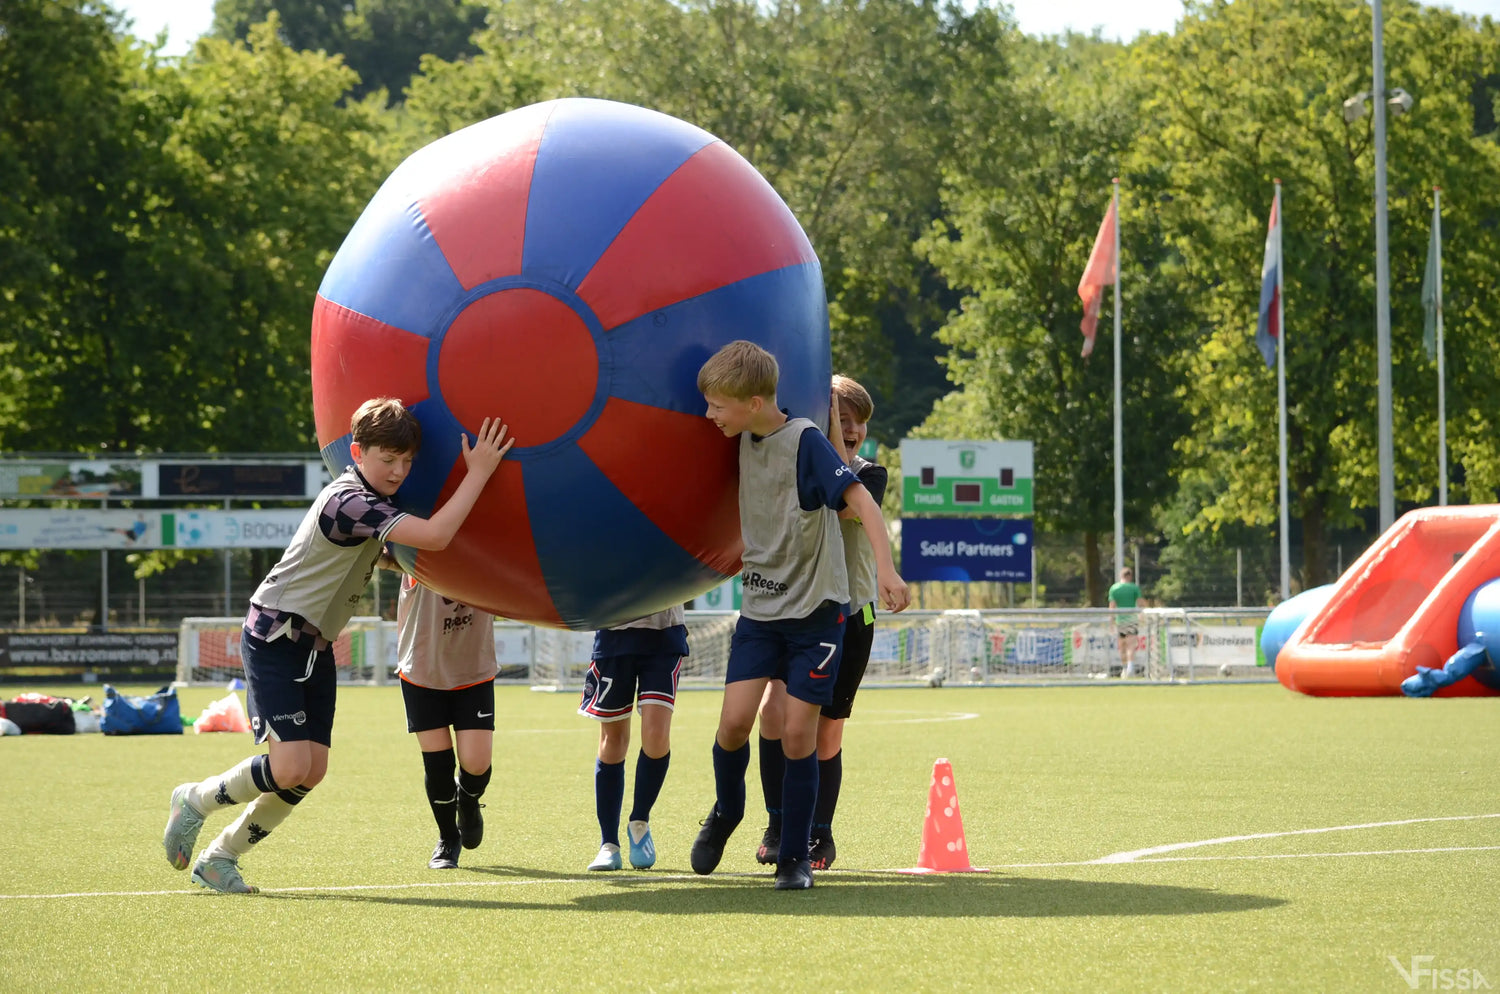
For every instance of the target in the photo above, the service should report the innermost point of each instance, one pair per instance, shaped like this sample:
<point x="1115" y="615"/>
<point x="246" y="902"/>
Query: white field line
<point x="1135" y="856"/>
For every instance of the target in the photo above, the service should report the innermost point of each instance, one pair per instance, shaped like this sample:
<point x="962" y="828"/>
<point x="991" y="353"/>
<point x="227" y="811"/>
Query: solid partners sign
<point x="966" y="549"/>
<point x="966" y="477"/>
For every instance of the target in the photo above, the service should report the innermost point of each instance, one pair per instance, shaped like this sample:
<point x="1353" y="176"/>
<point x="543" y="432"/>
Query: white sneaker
<point x="1127" y="672"/>
<point x="608" y="858"/>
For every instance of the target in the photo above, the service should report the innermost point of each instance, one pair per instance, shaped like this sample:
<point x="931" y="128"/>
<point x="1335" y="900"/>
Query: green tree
<point x="1250" y="91"/>
<point x="381" y="40"/>
<point x="164" y="302"/>
<point x="1023" y="202"/>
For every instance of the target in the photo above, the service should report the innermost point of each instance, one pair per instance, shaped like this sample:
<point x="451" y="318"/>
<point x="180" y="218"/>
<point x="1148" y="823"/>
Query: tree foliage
<point x="1247" y="92"/>
<point x="181" y="218"/>
<point x="381" y="40"/>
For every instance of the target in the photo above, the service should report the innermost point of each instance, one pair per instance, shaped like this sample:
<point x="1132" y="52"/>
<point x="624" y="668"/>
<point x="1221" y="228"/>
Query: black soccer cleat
<point x="769" y="849"/>
<point x="470" y="820"/>
<point x="794" y="874"/>
<point x="708" y="848"/>
<point x="445" y="856"/>
<point x="822" y="851"/>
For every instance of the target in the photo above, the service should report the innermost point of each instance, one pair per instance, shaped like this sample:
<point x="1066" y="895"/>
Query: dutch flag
<point x="1268" y="328"/>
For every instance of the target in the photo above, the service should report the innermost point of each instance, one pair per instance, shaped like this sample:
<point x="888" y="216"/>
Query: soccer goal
<point x="561" y="658"/>
<point x="208" y="651"/>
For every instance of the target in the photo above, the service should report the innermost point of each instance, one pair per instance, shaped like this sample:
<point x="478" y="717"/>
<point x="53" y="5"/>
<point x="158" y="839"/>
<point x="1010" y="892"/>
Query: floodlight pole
<point x="1384" y="444"/>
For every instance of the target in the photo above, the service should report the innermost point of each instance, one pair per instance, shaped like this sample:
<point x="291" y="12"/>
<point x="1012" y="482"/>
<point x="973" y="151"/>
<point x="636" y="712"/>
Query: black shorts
<point x="290" y="689"/>
<point x="471" y="707"/>
<point x="613" y="684"/>
<point x="1128" y="631"/>
<point x="859" y="636"/>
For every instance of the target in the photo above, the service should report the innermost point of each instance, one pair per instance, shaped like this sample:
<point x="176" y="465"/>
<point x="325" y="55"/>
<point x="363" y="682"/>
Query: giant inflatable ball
<point x="568" y="267"/>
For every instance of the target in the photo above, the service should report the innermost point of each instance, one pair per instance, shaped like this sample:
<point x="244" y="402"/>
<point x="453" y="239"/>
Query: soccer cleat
<point x="470" y="821"/>
<point x="183" y="823"/>
<point x="822" y="851"/>
<point x="642" y="849"/>
<point x="794" y="874"/>
<point x="708" y="848"/>
<point x="445" y="856"/>
<point x="221" y="874"/>
<point x="608" y="858"/>
<point x="770" y="845"/>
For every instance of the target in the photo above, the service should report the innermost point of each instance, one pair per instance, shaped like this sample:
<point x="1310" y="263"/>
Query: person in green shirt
<point x="1125" y="594"/>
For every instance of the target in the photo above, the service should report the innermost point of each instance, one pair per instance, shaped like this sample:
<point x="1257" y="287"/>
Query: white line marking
<point x="1136" y="854"/>
<point x="941" y="716"/>
<point x="1135" y="857"/>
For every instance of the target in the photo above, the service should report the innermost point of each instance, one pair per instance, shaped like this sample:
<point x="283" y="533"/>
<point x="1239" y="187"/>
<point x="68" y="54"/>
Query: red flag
<point x="1101" y="271"/>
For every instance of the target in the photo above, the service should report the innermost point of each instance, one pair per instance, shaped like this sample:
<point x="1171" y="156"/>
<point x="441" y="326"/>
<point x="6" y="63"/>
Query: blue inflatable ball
<point x="1479" y="621"/>
<point x="1286" y="616"/>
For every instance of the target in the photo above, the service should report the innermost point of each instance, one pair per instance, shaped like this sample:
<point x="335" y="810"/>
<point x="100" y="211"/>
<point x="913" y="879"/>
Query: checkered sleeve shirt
<point x="350" y="517"/>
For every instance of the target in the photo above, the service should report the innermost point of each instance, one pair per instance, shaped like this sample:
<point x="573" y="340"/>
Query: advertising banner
<point x="33" y="528"/>
<point x="968" y="550"/>
<point x="100" y="650"/>
<point x="83" y="479"/>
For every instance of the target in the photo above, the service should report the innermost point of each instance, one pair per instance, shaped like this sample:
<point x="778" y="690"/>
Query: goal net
<point x="562" y="657"/>
<point x="208" y="651"/>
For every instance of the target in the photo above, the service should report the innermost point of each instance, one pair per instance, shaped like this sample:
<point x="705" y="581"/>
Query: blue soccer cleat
<point x="642" y="849"/>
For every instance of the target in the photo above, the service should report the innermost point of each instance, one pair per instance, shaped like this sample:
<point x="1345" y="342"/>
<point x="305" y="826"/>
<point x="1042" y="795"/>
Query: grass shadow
<point x="855" y="895"/>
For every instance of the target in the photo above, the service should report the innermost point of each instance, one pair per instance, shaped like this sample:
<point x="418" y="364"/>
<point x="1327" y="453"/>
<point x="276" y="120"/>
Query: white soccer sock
<point x="236" y="786"/>
<point x="264" y="813"/>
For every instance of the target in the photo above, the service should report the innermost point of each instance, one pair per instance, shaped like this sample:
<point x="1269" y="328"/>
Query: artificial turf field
<point x="1060" y="790"/>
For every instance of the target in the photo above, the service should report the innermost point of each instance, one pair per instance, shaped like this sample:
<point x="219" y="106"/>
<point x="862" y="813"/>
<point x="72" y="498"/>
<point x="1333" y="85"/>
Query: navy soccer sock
<point x="830" y="779"/>
<point x="442" y="794"/>
<point x="650" y="774"/>
<point x="772" y="773"/>
<point x="797" y="800"/>
<point x="729" y="781"/>
<point x="609" y="795"/>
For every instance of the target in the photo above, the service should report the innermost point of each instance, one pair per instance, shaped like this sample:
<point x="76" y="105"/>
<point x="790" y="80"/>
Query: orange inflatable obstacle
<point x="1397" y="608"/>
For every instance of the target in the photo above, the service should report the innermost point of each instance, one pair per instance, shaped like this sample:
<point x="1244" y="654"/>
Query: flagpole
<point x="1437" y="227"/>
<point x="1286" y="564"/>
<point x="1119" y="444"/>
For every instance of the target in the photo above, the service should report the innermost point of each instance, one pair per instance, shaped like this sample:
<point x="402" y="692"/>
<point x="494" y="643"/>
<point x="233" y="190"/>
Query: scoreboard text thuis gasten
<point x="966" y="477"/>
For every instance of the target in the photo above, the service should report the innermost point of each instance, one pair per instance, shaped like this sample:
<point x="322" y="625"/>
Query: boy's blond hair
<point x="740" y="370"/>
<point x="385" y="422"/>
<point x="850" y="394"/>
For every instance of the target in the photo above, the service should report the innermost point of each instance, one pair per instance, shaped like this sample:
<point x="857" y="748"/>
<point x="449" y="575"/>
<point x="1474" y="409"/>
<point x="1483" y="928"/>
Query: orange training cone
<point x="944" y="849"/>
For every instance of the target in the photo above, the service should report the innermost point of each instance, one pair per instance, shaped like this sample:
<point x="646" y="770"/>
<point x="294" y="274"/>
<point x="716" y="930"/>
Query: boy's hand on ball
<point x="489" y="447"/>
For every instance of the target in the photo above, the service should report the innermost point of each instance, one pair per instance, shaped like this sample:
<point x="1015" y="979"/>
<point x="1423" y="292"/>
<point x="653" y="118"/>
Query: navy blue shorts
<point x="806" y="657"/>
<point x="859" y="637"/>
<point x="290" y="690"/>
<point x="465" y="708"/>
<point x="613" y="684"/>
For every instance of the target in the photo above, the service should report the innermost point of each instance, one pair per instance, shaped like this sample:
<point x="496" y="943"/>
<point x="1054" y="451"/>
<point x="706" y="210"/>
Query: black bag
<point x="40" y="714"/>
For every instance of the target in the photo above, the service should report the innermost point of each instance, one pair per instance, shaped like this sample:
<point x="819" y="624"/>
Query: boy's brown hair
<point x="740" y="370"/>
<point x="385" y="422"/>
<point x="850" y="394"/>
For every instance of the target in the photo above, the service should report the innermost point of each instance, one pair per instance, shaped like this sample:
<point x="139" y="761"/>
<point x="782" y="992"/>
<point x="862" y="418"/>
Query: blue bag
<point x="124" y="714"/>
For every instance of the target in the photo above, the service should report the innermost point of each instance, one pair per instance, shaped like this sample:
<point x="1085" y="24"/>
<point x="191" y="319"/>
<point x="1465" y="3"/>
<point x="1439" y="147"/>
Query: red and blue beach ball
<point x="568" y="267"/>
